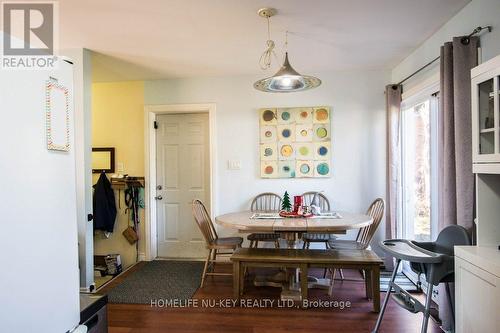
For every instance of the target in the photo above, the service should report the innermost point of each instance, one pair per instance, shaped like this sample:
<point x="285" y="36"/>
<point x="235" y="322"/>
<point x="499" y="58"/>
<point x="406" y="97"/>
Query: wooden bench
<point x="365" y="260"/>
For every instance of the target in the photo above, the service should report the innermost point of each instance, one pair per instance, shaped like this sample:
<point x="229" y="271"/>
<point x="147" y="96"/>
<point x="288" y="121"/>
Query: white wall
<point x="476" y="13"/>
<point x="358" y="127"/>
<point x="39" y="261"/>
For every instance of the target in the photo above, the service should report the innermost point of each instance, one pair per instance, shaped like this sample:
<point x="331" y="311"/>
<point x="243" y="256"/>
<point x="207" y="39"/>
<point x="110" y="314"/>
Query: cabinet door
<point x="485" y="114"/>
<point x="477" y="299"/>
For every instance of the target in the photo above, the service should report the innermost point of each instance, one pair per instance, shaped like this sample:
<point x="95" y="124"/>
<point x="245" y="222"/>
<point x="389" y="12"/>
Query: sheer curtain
<point x="393" y="105"/>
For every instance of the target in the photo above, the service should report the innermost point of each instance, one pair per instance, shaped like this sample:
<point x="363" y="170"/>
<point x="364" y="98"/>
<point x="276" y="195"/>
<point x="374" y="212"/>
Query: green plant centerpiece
<point x="286" y="205"/>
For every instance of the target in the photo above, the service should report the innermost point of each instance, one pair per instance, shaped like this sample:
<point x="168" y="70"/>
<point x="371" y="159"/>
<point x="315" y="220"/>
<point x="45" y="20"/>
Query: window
<point x="419" y="166"/>
<point x="419" y="187"/>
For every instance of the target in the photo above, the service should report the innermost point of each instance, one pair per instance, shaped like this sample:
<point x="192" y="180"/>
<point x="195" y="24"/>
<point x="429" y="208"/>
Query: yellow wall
<point x="118" y="121"/>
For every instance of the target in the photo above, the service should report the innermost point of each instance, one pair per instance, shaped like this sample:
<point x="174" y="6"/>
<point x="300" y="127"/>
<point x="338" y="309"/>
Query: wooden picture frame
<point x="103" y="160"/>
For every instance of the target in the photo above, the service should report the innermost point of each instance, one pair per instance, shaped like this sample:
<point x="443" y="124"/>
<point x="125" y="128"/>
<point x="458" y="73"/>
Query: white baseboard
<point x="142" y="256"/>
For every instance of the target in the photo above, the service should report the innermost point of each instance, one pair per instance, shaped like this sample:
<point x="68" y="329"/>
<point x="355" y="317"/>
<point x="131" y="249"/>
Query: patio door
<point x="419" y="163"/>
<point x="183" y="174"/>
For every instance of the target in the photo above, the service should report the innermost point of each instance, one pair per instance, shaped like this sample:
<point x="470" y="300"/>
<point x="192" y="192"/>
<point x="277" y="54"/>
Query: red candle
<point x="297" y="202"/>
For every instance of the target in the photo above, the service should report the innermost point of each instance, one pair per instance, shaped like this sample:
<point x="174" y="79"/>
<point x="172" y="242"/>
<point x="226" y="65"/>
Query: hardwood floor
<point x="129" y="318"/>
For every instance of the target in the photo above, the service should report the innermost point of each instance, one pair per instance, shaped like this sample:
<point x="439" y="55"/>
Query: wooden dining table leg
<point x="241" y="282"/>
<point x="375" y="277"/>
<point x="368" y="283"/>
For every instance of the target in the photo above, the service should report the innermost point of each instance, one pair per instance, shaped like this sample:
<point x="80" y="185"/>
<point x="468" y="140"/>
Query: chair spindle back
<point x="266" y="202"/>
<point x="204" y="222"/>
<point x="324" y="203"/>
<point x="376" y="212"/>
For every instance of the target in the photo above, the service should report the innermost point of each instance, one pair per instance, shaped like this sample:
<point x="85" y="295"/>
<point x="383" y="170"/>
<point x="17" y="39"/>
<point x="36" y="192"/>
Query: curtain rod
<point x="465" y="40"/>
<point x="417" y="71"/>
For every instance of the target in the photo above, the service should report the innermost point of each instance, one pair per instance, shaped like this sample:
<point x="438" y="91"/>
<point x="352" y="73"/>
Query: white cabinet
<point x="485" y="97"/>
<point x="477" y="289"/>
<point x="488" y="209"/>
<point x="477" y="268"/>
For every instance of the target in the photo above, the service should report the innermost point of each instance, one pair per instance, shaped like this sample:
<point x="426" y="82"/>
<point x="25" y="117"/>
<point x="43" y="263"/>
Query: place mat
<point x="264" y="216"/>
<point x="328" y="215"/>
<point x="271" y="216"/>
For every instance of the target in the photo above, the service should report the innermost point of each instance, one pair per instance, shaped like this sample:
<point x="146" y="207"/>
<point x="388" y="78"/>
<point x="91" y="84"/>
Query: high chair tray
<point x="406" y="250"/>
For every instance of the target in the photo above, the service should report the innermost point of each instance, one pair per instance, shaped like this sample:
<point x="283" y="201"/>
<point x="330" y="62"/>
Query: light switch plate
<point x="120" y="167"/>
<point x="233" y="165"/>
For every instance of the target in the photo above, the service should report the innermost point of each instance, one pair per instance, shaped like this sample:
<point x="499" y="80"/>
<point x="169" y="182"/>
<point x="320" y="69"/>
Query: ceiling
<point x="155" y="39"/>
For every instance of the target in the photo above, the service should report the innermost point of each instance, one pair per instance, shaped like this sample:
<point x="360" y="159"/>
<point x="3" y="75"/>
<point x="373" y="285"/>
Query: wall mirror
<point x="103" y="159"/>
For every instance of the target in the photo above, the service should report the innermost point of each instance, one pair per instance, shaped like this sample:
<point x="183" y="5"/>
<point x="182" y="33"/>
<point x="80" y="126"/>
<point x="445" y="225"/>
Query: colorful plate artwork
<point x="304" y="150"/>
<point x="322" y="151"/>
<point x="321" y="132"/>
<point x="286" y="151"/>
<point x="295" y="142"/>
<point x="286" y="132"/>
<point x="286" y="169"/>
<point x="268" y="134"/>
<point x="285" y="116"/>
<point x="321" y="169"/>
<point x="268" y="151"/>
<point x="269" y="169"/>
<point x="303" y="133"/>
<point x="268" y="116"/>
<point x="305" y="168"/>
<point x="321" y="115"/>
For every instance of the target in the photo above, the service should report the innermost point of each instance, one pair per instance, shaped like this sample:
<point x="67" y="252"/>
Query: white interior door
<point x="183" y="174"/>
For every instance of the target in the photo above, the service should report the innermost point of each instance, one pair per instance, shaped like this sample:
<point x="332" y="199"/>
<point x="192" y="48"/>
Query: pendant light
<point x="286" y="79"/>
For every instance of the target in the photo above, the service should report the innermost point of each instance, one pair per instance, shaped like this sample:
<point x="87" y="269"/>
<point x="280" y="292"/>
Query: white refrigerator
<point x="38" y="227"/>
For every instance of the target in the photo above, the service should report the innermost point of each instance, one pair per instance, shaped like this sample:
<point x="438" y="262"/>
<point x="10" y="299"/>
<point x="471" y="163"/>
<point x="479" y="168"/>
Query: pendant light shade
<point x="287" y="79"/>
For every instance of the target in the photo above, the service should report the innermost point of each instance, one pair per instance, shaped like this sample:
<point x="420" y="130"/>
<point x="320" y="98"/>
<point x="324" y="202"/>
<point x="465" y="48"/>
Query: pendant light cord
<point x="286" y="41"/>
<point x="266" y="57"/>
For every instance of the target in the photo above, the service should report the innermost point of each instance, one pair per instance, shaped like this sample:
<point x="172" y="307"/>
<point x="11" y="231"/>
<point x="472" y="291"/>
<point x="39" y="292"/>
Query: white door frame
<point x="150" y="112"/>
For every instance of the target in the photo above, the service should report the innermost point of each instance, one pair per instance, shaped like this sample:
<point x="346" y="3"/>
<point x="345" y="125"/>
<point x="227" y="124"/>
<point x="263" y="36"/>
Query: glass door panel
<point x="416" y="158"/>
<point x="487" y="121"/>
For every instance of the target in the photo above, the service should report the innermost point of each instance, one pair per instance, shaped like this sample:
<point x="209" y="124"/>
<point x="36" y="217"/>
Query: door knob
<point x="158" y="197"/>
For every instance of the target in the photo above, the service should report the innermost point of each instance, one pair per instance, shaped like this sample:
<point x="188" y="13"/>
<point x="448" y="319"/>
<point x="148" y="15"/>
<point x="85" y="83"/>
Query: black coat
<point x="104" y="205"/>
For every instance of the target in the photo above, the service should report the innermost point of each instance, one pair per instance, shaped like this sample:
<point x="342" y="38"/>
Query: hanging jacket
<point x="104" y="205"/>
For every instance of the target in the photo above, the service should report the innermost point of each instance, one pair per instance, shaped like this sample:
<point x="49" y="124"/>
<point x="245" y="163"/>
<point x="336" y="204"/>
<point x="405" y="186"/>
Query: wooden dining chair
<point x="265" y="202"/>
<point x="214" y="243"/>
<point x="324" y="205"/>
<point x="365" y="234"/>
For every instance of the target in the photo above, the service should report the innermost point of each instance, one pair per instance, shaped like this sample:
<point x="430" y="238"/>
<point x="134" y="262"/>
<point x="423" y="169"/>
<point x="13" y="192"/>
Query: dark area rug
<point x="158" y="280"/>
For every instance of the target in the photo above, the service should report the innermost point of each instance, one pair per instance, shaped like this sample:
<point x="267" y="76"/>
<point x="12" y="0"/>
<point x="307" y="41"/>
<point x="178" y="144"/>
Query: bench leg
<point x="303" y="281"/>
<point x="332" y="281"/>
<point x="236" y="280"/>
<point x="375" y="277"/>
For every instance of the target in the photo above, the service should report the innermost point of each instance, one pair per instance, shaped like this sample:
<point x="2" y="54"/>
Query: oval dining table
<point x="291" y="229"/>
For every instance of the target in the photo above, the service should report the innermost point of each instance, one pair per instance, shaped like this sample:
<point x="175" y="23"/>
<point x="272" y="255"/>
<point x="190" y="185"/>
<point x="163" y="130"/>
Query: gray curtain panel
<point x="456" y="180"/>
<point x="393" y="105"/>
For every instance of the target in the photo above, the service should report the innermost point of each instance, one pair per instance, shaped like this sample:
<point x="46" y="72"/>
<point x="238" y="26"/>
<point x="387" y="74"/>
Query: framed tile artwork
<point x="295" y="142"/>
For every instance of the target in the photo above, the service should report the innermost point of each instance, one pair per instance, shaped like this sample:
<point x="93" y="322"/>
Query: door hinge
<point x="155" y="125"/>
